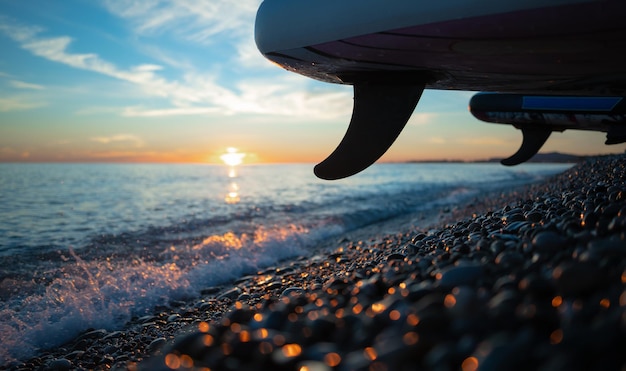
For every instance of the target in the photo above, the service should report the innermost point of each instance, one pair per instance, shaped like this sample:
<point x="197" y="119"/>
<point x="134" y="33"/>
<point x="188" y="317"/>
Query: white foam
<point x="105" y="294"/>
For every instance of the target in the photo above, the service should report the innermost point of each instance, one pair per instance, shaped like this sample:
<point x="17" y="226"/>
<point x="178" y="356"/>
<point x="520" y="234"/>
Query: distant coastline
<point x="549" y="157"/>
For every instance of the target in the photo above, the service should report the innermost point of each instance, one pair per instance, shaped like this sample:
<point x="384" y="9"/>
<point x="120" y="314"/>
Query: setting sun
<point x="232" y="157"/>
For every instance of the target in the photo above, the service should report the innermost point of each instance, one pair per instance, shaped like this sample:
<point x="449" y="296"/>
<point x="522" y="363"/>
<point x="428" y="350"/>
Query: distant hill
<point x="553" y="157"/>
<point x="550" y="157"/>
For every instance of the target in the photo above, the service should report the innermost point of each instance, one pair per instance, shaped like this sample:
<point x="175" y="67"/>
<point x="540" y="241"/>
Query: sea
<point x="92" y="245"/>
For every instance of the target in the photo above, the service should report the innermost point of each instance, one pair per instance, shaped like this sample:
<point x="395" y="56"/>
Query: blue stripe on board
<point x="570" y="103"/>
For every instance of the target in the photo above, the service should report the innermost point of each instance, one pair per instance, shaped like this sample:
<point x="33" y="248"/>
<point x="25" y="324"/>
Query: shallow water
<point x="85" y="245"/>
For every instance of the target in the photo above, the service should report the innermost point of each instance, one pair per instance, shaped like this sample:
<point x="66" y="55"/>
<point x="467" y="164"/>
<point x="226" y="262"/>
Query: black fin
<point x="616" y="135"/>
<point x="533" y="140"/>
<point x="380" y="113"/>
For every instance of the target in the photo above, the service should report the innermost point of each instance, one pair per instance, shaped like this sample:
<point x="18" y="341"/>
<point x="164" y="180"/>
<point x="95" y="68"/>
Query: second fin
<point x="532" y="141"/>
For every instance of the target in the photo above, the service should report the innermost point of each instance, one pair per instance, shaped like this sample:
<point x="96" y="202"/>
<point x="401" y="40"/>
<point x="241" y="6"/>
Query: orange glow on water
<point x="232" y="197"/>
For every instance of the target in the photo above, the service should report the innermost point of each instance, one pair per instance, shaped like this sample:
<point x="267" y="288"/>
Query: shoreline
<point x="417" y="297"/>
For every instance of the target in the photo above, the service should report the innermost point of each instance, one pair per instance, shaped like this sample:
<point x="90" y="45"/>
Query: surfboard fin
<point x="532" y="141"/>
<point x="381" y="110"/>
<point x="616" y="135"/>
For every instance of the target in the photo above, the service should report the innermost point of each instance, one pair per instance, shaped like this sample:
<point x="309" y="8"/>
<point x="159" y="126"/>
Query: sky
<point x="182" y="81"/>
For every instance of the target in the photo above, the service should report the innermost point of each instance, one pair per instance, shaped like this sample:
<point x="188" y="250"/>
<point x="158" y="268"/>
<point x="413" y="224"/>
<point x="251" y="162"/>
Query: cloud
<point x="9" y="153"/>
<point x="19" y="33"/>
<point x="123" y="155"/>
<point x="120" y="138"/>
<point x="249" y="56"/>
<point x="192" y="20"/>
<point x="437" y="140"/>
<point x="418" y="119"/>
<point x="179" y="111"/>
<point x="18" y="104"/>
<point x="25" y="85"/>
<point x="17" y="83"/>
<point x="485" y="141"/>
<point x="193" y="93"/>
<point x="94" y="110"/>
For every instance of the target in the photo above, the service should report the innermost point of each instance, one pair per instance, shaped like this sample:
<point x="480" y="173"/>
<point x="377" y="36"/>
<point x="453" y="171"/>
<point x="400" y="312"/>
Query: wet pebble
<point x="60" y="364"/>
<point x="548" y="242"/>
<point x="155" y="345"/>
<point x="232" y="293"/>
<point x="292" y="292"/>
<point x="461" y="275"/>
<point x="577" y="277"/>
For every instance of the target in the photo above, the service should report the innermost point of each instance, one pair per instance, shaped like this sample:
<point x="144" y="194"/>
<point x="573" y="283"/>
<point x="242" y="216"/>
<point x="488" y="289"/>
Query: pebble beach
<point x="528" y="279"/>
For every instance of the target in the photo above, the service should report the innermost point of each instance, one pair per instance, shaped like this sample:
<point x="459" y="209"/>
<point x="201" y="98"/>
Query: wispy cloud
<point x="179" y="111"/>
<point x="193" y="20"/>
<point x="9" y="153"/>
<point x="18" y="84"/>
<point x="8" y="104"/>
<point x="485" y="141"/>
<point x="120" y="138"/>
<point x="25" y="85"/>
<point x="419" y="119"/>
<point x="437" y="140"/>
<point x="194" y="93"/>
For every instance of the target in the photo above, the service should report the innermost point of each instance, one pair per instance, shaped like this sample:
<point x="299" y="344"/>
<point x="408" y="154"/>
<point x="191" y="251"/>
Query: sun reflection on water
<point x="232" y="158"/>
<point x="232" y="197"/>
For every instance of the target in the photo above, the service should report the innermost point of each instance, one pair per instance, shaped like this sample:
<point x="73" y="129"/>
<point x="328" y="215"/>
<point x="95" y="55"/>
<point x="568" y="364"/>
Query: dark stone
<point x="230" y="294"/>
<point x="244" y="297"/>
<point x="534" y="216"/>
<point x="292" y="292"/>
<point x="155" y="345"/>
<point x="574" y="278"/>
<point x="548" y="242"/>
<point x="395" y="256"/>
<point x="509" y="259"/>
<point x="464" y="274"/>
<point x="613" y="246"/>
<point x="60" y="364"/>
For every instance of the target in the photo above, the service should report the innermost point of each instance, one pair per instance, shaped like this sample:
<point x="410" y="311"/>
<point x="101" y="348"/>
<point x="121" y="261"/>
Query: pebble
<point x="292" y="292"/>
<point x="232" y="293"/>
<point x="60" y="364"/>
<point x="573" y="278"/>
<point x="155" y="345"/>
<point x="462" y="275"/>
<point x="548" y="242"/>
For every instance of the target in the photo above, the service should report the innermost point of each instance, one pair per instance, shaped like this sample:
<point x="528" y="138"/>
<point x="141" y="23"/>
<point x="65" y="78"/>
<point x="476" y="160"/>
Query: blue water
<point x="85" y="245"/>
